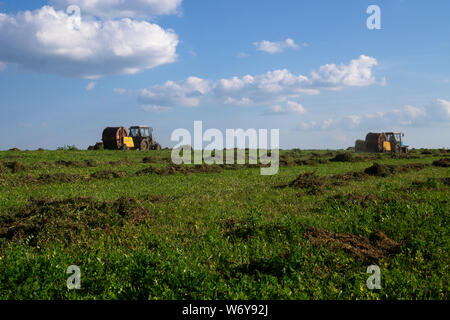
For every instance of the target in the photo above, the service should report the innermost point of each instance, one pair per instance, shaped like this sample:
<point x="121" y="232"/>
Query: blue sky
<point x="310" y="68"/>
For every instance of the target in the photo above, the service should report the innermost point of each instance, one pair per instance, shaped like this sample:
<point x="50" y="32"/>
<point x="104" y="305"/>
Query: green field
<point x="140" y="228"/>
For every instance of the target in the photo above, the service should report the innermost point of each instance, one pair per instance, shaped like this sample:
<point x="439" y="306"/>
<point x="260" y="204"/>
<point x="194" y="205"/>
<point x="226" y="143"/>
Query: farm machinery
<point x="119" y="138"/>
<point x="382" y="142"/>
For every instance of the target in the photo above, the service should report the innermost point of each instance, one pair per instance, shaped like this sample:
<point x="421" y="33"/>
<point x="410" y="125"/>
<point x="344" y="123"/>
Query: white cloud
<point x="439" y="109"/>
<point x="308" y="125"/>
<point x="438" y="112"/>
<point x="357" y="73"/>
<point x="275" y="47"/>
<point x="413" y="112"/>
<point x="327" y="123"/>
<point x="91" y="85"/>
<point x="242" y="102"/>
<point x="48" y="40"/>
<point x="111" y="9"/>
<point x="277" y="109"/>
<point x="294" y="107"/>
<point x="272" y="88"/>
<point x="2" y="66"/>
<point x="186" y="93"/>
<point x="290" y="107"/>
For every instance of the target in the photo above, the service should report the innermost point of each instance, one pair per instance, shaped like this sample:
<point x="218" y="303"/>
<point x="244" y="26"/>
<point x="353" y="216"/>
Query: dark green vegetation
<point x="140" y="227"/>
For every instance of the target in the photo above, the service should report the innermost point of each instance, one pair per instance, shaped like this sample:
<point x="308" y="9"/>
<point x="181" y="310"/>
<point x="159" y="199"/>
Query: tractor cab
<point x="141" y="131"/>
<point x="143" y="138"/>
<point x="395" y="140"/>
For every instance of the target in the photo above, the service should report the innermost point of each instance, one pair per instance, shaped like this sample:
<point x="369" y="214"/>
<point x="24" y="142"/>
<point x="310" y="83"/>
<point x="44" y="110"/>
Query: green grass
<point x="233" y="234"/>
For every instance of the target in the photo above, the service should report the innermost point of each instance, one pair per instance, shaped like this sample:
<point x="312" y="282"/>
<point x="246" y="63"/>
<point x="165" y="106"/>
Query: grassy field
<point x="140" y="228"/>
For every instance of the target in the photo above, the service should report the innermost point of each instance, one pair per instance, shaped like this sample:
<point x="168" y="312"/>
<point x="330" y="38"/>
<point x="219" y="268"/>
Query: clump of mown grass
<point x="310" y="182"/>
<point x="77" y="164"/>
<point x="277" y="266"/>
<point x="121" y="162"/>
<point x="108" y="174"/>
<point x="252" y="226"/>
<point x="46" y="219"/>
<point x="59" y="177"/>
<point x="63" y="177"/>
<point x="177" y="169"/>
<point x="444" y="162"/>
<point x="369" y="249"/>
<point x="150" y="160"/>
<point x="343" y="157"/>
<point x="290" y="159"/>
<point x="14" y="166"/>
<point x="384" y="170"/>
<point x="350" y="176"/>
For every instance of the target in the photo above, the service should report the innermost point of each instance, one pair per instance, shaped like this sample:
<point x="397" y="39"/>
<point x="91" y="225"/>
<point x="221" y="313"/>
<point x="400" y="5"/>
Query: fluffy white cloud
<point x="275" y="47"/>
<point x="290" y="107"/>
<point x="439" y="109"/>
<point x="110" y="9"/>
<point x="272" y="88"/>
<point x="51" y="41"/>
<point x="308" y="125"/>
<point x="267" y="88"/>
<point x="357" y="73"/>
<point x="438" y="112"/>
<point x="186" y="93"/>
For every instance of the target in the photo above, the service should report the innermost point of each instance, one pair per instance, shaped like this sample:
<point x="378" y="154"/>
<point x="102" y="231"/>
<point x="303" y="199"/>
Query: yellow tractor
<point x="140" y="137"/>
<point x="382" y="142"/>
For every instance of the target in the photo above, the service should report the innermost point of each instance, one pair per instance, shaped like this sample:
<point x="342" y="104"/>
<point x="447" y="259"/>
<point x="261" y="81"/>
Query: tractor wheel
<point x="144" y="145"/>
<point x="157" y="147"/>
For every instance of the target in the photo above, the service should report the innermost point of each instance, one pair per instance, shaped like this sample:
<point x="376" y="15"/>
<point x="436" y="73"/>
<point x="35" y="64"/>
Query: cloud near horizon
<point x="275" y="47"/>
<point x="276" y="90"/>
<point x="435" y="113"/>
